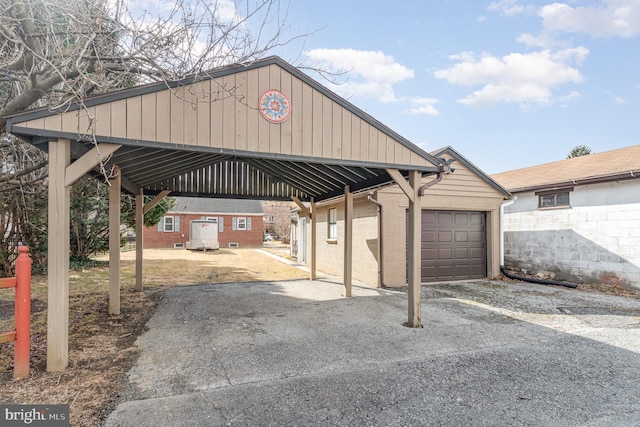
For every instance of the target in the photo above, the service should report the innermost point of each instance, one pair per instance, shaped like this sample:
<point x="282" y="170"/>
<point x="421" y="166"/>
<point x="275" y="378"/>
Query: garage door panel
<point x="444" y="217"/>
<point x="428" y="236"/>
<point x="445" y="236"/>
<point x="445" y="254"/>
<point x="453" y="245"/>
<point x="476" y="218"/>
<point x="477" y="236"/>
<point x="429" y="253"/>
<point x="461" y="218"/>
<point x="429" y="218"/>
<point x="477" y="253"/>
<point x="461" y="236"/>
<point x="461" y="253"/>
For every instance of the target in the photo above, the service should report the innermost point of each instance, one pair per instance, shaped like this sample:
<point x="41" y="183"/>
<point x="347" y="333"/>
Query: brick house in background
<point x="240" y="222"/>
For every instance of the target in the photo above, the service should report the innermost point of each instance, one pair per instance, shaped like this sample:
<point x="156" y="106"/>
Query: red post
<point x="23" y="314"/>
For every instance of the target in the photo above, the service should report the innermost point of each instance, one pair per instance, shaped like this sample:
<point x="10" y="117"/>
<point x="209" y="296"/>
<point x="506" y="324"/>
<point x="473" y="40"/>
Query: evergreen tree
<point x="579" y="150"/>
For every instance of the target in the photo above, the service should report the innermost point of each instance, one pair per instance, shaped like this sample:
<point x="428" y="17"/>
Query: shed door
<point x="453" y="245"/>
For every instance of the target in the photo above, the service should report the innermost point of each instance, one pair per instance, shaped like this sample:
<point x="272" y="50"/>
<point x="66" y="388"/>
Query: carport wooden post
<point x="114" y="242"/>
<point x="411" y="189"/>
<point x="314" y="242"/>
<point x="58" y="257"/>
<point x="139" y="238"/>
<point x="61" y="175"/>
<point x="348" y="240"/>
<point x="141" y="210"/>
<point x="415" y="234"/>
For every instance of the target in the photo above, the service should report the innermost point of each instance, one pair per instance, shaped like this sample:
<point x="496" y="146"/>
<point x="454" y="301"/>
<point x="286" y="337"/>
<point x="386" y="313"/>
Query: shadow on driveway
<point x="298" y="353"/>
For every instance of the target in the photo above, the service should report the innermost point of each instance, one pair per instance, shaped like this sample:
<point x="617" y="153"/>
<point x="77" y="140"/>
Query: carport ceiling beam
<point x="330" y="176"/>
<point x="143" y="160"/>
<point x="171" y="167"/>
<point x="317" y="174"/>
<point x="300" y="172"/>
<point x="276" y="172"/>
<point x="349" y="173"/>
<point x="380" y="180"/>
<point x="145" y="169"/>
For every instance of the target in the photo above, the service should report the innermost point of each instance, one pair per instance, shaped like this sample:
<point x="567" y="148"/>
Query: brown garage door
<point x="453" y="245"/>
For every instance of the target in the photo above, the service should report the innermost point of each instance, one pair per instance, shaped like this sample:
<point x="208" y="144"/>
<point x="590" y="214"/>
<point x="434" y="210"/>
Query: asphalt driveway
<point x="298" y="353"/>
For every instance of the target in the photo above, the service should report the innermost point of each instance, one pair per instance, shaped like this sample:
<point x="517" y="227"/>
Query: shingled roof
<point x="218" y="206"/>
<point x="623" y="163"/>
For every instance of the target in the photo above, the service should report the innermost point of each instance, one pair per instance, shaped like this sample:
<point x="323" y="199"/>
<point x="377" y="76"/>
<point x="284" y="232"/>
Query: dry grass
<point x="101" y="346"/>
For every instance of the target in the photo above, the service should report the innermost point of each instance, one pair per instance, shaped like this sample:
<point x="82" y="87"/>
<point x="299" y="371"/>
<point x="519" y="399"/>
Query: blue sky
<point x="509" y="84"/>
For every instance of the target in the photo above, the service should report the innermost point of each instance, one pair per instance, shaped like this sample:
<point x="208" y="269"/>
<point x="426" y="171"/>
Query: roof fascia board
<point x="231" y="152"/>
<point x="460" y="158"/>
<point x="626" y="176"/>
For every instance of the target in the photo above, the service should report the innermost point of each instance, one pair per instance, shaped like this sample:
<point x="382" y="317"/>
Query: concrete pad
<point x="297" y="353"/>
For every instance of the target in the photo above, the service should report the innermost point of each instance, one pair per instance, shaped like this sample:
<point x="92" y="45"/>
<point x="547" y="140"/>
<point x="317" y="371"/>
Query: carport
<point x="262" y="131"/>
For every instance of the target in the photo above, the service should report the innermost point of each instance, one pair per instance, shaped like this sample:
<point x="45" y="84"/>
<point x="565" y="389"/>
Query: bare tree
<point x="278" y="219"/>
<point x="54" y="53"/>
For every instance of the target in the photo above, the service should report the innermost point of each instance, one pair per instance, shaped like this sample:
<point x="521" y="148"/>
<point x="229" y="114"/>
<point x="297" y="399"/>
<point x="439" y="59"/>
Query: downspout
<point x="380" y="234"/>
<point x="513" y="276"/>
<point x="502" y="206"/>
<point x="443" y="169"/>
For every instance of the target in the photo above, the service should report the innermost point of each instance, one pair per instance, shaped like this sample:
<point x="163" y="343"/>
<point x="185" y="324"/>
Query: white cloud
<point x="515" y="78"/>
<point x="613" y="18"/>
<point x="370" y="73"/>
<point x="620" y="100"/>
<point x="510" y="7"/>
<point x="423" y="106"/>
<point x="540" y="41"/>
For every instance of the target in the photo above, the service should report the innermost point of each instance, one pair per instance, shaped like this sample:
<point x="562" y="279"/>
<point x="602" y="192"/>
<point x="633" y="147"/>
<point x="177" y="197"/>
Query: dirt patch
<point x="101" y="346"/>
<point x="598" y="288"/>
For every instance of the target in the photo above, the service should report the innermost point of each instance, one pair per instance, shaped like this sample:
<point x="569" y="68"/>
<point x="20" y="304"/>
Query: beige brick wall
<point x="330" y="255"/>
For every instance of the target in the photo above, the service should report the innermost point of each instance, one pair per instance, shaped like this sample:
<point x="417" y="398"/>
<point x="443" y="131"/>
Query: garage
<point x="459" y="222"/>
<point x="453" y="245"/>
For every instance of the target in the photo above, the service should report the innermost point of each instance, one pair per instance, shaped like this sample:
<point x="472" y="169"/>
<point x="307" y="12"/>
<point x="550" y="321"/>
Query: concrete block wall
<point x="330" y="254"/>
<point x="584" y="243"/>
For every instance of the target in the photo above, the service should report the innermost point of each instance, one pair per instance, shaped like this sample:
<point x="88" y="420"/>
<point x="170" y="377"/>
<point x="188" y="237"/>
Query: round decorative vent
<point x="274" y="106"/>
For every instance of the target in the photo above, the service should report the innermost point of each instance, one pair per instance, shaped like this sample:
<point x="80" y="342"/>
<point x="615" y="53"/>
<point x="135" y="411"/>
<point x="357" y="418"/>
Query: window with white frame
<point x="332" y="232"/>
<point x="242" y="223"/>
<point x="169" y="224"/>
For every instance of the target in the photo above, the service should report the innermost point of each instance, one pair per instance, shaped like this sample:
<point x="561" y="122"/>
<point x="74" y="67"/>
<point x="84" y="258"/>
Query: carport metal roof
<point x="260" y="131"/>
<point x="204" y="136"/>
